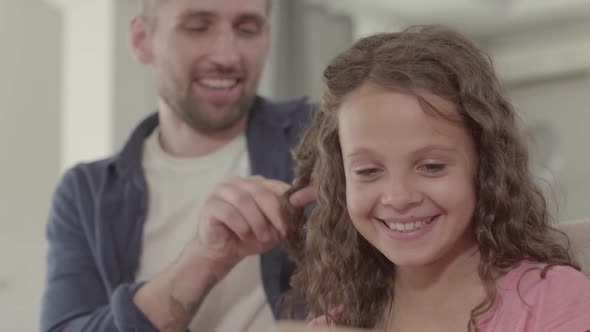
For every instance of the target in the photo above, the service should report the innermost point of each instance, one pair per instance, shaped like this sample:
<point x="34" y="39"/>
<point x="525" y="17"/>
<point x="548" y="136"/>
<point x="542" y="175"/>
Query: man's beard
<point x="198" y="114"/>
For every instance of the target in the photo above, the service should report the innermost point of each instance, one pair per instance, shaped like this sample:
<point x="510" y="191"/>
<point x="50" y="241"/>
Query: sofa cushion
<point x="578" y="232"/>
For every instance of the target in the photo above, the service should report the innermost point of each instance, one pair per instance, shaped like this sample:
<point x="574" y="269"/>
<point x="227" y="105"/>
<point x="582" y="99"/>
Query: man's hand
<point x="302" y="197"/>
<point x="242" y="217"/>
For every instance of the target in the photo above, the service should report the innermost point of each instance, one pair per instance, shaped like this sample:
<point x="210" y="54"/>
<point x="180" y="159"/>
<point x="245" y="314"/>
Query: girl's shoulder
<point x="527" y="278"/>
<point x="557" y="301"/>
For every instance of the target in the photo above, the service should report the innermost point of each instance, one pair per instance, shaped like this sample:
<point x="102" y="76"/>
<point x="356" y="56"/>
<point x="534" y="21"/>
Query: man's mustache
<point x="233" y="71"/>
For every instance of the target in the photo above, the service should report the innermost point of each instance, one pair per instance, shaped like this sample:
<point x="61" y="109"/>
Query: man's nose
<point x="224" y="49"/>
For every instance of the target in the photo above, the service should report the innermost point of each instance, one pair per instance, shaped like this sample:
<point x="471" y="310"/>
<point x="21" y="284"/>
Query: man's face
<point x="208" y="57"/>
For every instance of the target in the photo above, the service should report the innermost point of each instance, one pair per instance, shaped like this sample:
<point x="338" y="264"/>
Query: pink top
<point x="558" y="303"/>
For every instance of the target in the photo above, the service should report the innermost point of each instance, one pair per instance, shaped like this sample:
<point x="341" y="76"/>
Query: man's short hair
<point x="147" y="8"/>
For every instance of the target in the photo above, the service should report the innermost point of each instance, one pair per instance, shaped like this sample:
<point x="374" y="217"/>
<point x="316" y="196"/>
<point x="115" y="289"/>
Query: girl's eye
<point x="432" y="168"/>
<point x="367" y="172"/>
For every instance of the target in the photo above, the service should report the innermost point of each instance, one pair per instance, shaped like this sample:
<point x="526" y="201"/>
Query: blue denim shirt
<point x="96" y="223"/>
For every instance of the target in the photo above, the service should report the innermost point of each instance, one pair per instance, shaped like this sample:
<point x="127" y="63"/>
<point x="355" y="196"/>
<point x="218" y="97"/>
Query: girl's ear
<point x="139" y="38"/>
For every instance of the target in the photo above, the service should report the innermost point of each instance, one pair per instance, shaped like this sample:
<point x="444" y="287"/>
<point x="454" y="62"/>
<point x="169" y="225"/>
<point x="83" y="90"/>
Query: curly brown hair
<point x="336" y="266"/>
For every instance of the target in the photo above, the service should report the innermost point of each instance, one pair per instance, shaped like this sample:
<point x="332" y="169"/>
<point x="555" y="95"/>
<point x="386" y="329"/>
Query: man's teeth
<point x="408" y="226"/>
<point x="218" y="83"/>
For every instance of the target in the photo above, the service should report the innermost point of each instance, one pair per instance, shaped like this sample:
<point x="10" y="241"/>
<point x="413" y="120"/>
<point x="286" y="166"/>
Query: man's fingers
<point x="225" y="213"/>
<point x="302" y="197"/>
<point x="258" y="201"/>
<point x="276" y="186"/>
<point x="237" y="194"/>
<point x="267" y="199"/>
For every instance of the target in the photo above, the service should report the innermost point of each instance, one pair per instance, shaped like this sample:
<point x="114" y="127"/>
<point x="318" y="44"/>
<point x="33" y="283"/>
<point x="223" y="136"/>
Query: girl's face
<point x="409" y="176"/>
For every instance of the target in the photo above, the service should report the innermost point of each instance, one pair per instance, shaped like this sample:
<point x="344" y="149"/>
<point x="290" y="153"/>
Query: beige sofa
<point x="579" y="233"/>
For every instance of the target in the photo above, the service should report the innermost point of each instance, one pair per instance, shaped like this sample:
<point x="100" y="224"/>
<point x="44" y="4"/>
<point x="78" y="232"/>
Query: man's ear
<point x="139" y="36"/>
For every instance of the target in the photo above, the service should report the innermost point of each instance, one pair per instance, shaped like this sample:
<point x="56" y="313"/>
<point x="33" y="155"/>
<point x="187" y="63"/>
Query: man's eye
<point x="196" y="28"/>
<point x="249" y="29"/>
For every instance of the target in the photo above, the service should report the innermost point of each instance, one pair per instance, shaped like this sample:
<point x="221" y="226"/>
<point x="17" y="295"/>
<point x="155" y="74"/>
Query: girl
<point x="427" y="216"/>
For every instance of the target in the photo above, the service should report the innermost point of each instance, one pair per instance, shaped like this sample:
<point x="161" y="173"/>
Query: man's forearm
<point x="171" y="300"/>
<point x="182" y="312"/>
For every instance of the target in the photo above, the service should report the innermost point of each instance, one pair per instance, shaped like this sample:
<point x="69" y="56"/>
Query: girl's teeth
<point x="408" y="227"/>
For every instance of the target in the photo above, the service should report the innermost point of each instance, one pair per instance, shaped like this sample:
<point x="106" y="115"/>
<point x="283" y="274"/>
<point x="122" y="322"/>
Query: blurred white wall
<point x="134" y="91"/>
<point x="70" y="92"/>
<point x="105" y="91"/>
<point x="551" y="64"/>
<point x="30" y="82"/>
<point x="562" y="105"/>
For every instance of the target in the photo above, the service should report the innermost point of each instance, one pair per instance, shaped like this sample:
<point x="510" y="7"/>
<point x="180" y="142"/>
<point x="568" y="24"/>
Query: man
<point x="165" y="234"/>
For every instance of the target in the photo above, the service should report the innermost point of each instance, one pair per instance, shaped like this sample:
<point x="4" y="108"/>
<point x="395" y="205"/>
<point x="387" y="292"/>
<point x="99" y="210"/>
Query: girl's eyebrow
<point x="436" y="148"/>
<point x="359" y="152"/>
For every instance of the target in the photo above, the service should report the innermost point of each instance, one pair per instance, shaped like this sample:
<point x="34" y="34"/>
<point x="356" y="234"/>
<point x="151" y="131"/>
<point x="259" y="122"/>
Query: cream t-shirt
<point x="177" y="188"/>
